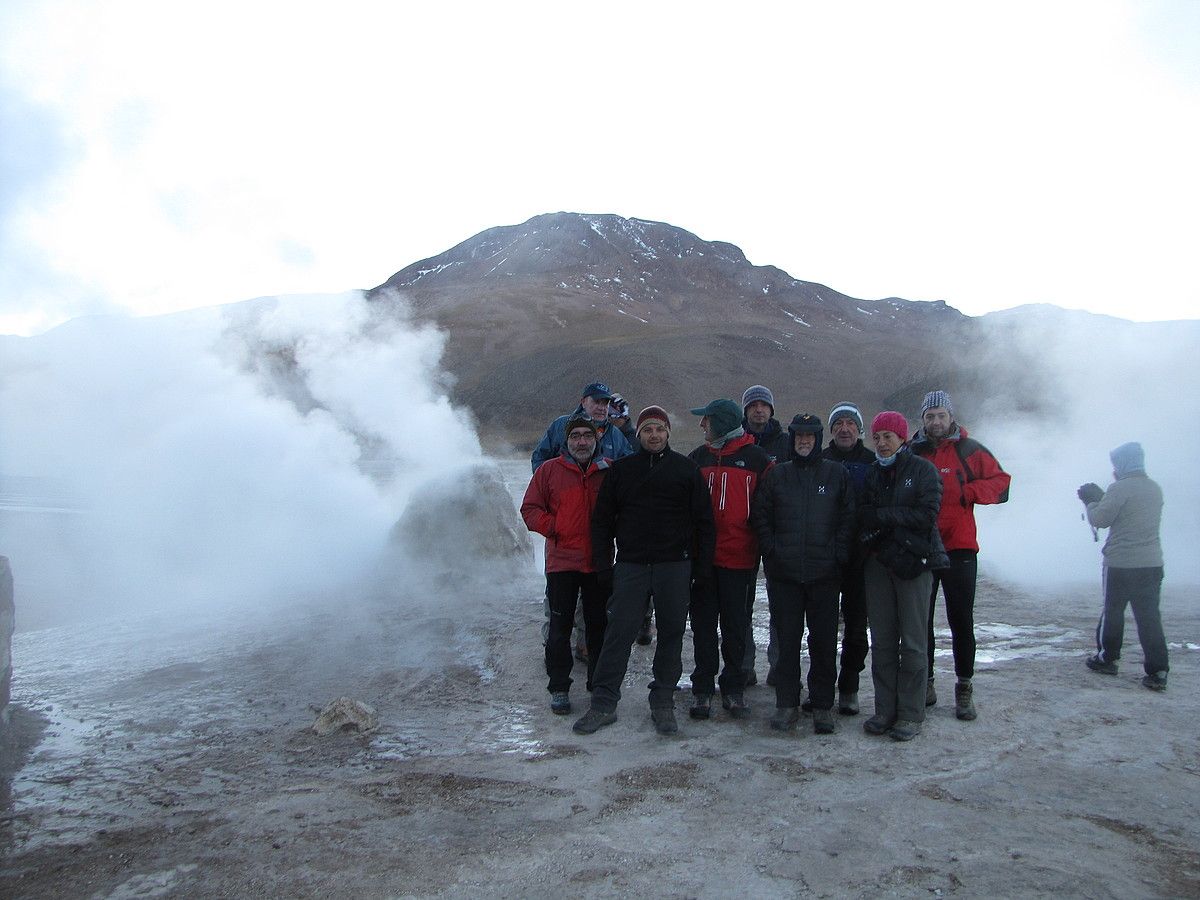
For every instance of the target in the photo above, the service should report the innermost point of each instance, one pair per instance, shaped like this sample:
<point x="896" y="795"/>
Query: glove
<point x="1090" y="493"/>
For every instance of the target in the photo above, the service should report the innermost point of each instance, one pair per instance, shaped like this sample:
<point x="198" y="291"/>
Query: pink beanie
<point x="890" y="420"/>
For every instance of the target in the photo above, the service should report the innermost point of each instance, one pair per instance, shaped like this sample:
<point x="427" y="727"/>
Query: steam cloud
<point x="223" y="456"/>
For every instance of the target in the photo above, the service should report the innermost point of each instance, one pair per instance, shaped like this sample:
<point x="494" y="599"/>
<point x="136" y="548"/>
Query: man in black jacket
<point x="803" y="516"/>
<point x="846" y="447"/>
<point x="655" y="505"/>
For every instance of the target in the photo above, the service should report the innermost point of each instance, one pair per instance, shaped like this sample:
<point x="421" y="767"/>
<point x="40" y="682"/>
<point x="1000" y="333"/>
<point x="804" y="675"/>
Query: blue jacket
<point x="612" y="443"/>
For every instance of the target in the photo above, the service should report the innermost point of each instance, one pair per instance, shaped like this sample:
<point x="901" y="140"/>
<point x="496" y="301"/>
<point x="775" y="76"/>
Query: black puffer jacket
<point x="803" y="515"/>
<point x="900" y="506"/>
<point x="656" y="506"/>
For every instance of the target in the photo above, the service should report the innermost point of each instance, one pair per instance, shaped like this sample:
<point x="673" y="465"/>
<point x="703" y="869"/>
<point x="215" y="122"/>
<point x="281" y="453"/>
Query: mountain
<point x="537" y="310"/>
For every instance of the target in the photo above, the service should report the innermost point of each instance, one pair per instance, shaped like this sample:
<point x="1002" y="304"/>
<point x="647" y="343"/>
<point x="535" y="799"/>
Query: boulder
<point x="344" y="714"/>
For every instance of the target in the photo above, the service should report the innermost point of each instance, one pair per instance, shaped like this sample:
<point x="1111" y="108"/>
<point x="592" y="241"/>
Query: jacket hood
<point x="957" y="433"/>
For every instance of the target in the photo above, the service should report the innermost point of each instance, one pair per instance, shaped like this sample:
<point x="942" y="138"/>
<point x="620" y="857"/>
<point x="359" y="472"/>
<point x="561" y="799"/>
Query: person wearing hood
<point x="804" y="518"/>
<point x="846" y="447"/>
<point x="732" y="467"/>
<point x="970" y="475"/>
<point x="594" y="405"/>
<point x="558" y="504"/>
<point x="655" y="505"/>
<point x="1131" y="509"/>
<point x="898" y="524"/>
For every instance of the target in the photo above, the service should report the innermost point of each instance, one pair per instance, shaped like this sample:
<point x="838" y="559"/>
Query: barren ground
<point x="172" y="758"/>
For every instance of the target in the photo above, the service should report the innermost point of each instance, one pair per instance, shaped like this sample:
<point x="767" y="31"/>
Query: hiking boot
<point x="904" y="730"/>
<point x="963" y="707"/>
<point x="823" y="721"/>
<point x="664" y="719"/>
<point x="646" y="633"/>
<point x="877" y="725"/>
<point x="701" y="706"/>
<point x="1156" y="682"/>
<point x="848" y="704"/>
<point x="581" y="652"/>
<point x="751" y="678"/>
<point x="1096" y="664"/>
<point x="560" y="703"/>
<point x="785" y="718"/>
<point x="736" y="704"/>
<point x="930" y="693"/>
<point x="593" y="720"/>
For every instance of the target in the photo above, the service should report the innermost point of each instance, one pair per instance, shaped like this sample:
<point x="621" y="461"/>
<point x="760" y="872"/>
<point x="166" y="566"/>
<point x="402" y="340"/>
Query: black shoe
<point x="736" y="704"/>
<point x="964" y="707"/>
<point x="848" y="704"/>
<point x="877" y="725"/>
<point x="645" y="633"/>
<point x="751" y="678"/>
<point x="770" y="678"/>
<point x="1156" y="682"/>
<point x="560" y="703"/>
<point x="785" y="718"/>
<point x="593" y="720"/>
<point x="701" y="706"/>
<point x="904" y="731"/>
<point x="806" y="707"/>
<point x="823" y="721"/>
<point x="664" y="719"/>
<point x="1098" y="665"/>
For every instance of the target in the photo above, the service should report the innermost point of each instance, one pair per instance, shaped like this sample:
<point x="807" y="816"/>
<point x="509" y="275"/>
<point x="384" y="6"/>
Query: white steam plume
<point x="231" y="455"/>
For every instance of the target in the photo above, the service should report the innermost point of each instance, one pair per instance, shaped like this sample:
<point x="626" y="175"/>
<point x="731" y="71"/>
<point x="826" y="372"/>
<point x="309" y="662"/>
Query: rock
<point x="344" y="714"/>
<point x="7" y="626"/>
<point x="468" y="515"/>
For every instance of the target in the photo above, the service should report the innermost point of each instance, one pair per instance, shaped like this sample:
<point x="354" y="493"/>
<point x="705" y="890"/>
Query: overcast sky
<point x="161" y="156"/>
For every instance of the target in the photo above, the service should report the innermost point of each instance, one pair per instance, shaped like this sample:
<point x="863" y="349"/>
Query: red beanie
<point x="890" y="420"/>
<point x="653" y="414"/>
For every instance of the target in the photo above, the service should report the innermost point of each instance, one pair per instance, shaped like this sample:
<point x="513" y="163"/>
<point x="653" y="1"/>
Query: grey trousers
<point x="670" y="582"/>
<point x="898" y="613"/>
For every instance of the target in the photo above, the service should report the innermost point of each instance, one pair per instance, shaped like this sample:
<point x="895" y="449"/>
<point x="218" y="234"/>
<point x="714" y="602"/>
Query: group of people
<point x="870" y="533"/>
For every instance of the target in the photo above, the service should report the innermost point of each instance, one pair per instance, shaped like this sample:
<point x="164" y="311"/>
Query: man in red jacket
<point x="558" y="504"/>
<point x="970" y="475"/>
<point x="732" y="465"/>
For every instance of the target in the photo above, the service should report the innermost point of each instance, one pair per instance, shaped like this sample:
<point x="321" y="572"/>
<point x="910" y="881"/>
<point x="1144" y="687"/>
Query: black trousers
<point x="725" y="598"/>
<point x="958" y="586"/>
<point x="1141" y="589"/>
<point x="633" y="583"/>
<point x="562" y="590"/>
<point x="854" y="624"/>
<point x="791" y="605"/>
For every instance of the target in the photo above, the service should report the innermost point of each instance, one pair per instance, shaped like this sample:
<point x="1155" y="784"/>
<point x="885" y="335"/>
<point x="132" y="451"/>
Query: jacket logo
<point x="908" y="482"/>
<point x="945" y="471"/>
<point x="740" y="462"/>
<point x="820" y="488"/>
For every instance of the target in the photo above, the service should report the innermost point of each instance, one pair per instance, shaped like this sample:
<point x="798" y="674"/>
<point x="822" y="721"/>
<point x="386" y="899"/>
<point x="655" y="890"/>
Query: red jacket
<point x="558" y="504"/>
<point x="970" y="475"/>
<point x="732" y="473"/>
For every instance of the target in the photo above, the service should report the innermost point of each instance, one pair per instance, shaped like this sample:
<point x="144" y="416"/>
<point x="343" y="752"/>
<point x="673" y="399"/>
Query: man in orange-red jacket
<point x="970" y="475"/>
<point x="558" y="504"/>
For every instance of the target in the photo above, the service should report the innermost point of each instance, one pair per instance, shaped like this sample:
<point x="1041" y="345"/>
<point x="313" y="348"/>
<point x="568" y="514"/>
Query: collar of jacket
<point x="731" y="445"/>
<point x="807" y="462"/>
<point x="769" y="431"/>
<point x="654" y="457"/>
<point x="841" y="455"/>
<point x="921" y="441"/>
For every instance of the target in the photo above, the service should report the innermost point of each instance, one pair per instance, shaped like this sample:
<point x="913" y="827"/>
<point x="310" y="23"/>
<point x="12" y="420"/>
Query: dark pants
<point x="791" y="604"/>
<point x="632" y="585"/>
<point x="1140" y="589"/>
<point x="897" y="610"/>
<point x="958" y="586"/>
<point x="562" y="590"/>
<point x="725" y="597"/>
<point x="854" y="623"/>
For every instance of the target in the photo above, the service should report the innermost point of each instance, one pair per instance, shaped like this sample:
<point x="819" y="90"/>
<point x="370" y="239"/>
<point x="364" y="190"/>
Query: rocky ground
<point x="171" y="756"/>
